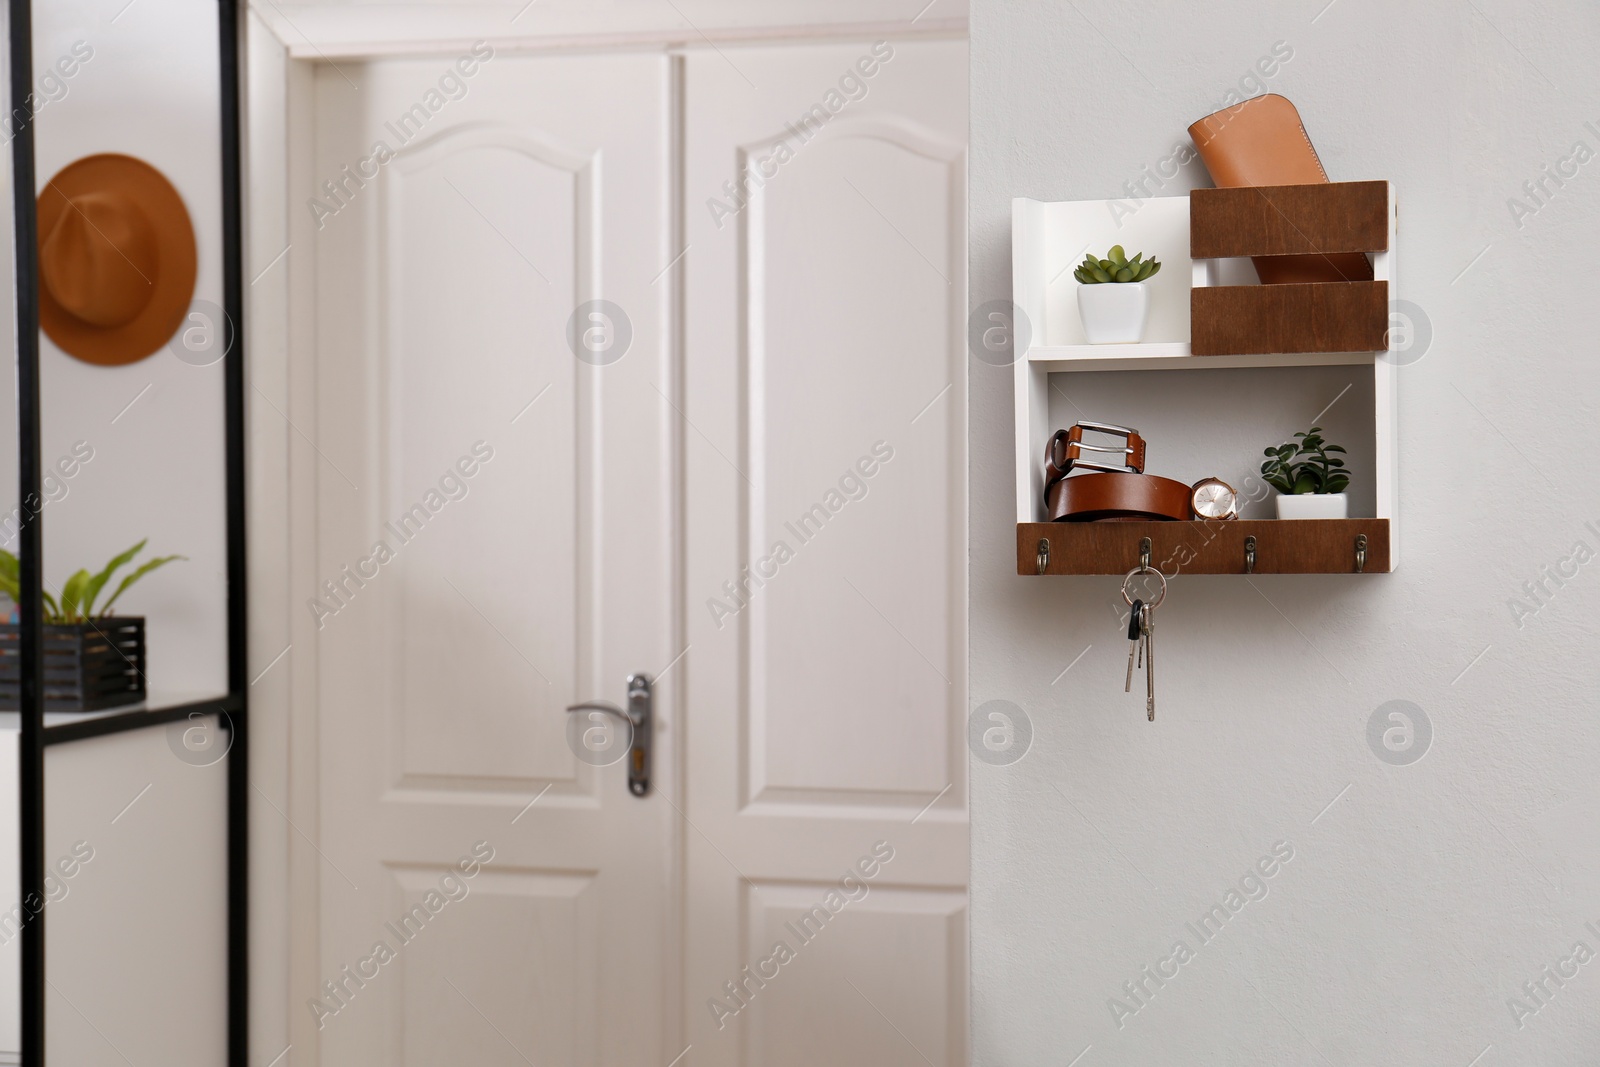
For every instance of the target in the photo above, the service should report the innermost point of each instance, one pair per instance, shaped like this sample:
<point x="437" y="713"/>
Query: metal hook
<point x="1043" y="556"/>
<point x="1144" y="553"/>
<point x="1361" y="553"/>
<point x="1250" y="554"/>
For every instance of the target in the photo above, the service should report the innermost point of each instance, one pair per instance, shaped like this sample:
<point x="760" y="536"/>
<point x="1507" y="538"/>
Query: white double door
<point x="744" y="478"/>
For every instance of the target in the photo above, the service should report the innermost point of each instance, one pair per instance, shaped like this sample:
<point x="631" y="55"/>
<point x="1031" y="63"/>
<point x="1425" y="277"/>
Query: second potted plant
<point x="92" y="658"/>
<point x="1310" y="480"/>
<point x="1113" y="299"/>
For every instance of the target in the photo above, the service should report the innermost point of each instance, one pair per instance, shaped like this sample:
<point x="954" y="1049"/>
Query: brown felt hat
<point x="116" y="259"/>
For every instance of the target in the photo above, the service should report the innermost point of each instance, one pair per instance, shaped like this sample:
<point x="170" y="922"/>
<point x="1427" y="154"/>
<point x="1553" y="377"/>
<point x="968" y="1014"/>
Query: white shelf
<point x="1049" y="239"/>
<point x="155" y="701"/>
<point x="1175" y="355"/>
<point x="1100" y="353"/>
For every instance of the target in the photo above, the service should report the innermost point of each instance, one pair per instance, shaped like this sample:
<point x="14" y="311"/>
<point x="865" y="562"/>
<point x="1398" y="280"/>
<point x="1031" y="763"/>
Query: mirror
<point x="134" y="453"/>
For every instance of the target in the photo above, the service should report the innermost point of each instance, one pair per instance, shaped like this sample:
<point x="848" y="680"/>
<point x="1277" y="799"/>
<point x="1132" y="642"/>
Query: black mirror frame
<point x="34" y="735"/>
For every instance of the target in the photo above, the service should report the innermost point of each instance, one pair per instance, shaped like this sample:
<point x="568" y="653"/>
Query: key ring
<point x="1152" y="605"/>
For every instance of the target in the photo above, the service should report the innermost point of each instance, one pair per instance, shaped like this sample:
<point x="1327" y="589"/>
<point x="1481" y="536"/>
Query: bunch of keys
<point x="1141" y="625"/>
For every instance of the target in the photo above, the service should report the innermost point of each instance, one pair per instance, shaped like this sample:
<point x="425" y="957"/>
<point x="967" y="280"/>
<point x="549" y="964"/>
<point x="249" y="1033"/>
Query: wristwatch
<point x="1213" y="498"/>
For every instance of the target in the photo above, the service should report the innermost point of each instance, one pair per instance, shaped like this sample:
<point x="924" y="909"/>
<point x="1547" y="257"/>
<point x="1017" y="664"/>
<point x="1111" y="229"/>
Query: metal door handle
<point x="638" y="717"/>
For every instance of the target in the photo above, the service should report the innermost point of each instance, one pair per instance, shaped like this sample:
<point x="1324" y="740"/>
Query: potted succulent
<point x="92" y="659"/>
<point x="1310" y="480"/>
<point x="1113" y="299"/>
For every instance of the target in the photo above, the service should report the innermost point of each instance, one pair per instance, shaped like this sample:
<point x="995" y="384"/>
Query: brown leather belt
<point x="1065" y="451"/>
<point x="1121" y="493"/>
<point x="1115" y="497"/>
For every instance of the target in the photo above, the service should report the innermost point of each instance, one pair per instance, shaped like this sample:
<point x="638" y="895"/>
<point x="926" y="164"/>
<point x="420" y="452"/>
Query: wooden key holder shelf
<point x="1200" y="321"/>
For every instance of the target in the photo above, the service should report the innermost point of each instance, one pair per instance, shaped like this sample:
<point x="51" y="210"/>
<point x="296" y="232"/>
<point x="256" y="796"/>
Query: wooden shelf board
<point x="1283" y="546"/>
<point x="1289" y="318"/>
<point x="1289" y="220"/>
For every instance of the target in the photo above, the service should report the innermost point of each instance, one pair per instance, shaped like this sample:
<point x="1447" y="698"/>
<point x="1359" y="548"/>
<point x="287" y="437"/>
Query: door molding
<point x="328" y="32"/>
<point x="281" y="519"/>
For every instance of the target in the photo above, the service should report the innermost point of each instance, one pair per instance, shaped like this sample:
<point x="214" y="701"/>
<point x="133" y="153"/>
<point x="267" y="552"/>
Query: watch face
<point x="1214" y="499"/>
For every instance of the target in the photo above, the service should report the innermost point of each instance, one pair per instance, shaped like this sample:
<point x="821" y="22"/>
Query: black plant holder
<point x="88" y="666"/>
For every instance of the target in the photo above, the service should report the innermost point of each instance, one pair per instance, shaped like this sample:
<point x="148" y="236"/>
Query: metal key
<point x="1147" y="624"/>
<point x="1136" y="635"/>
<point x="1142" y="624"/>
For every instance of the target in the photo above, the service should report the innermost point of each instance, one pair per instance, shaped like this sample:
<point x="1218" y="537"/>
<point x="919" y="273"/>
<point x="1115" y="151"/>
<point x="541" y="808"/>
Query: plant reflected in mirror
<point x="78" y="595"/>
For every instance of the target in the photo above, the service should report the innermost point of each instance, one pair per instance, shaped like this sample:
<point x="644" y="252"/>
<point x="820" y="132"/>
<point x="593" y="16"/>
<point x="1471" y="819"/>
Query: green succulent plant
<point x="1116" y="267"/>
<point x="78" y="595"/>
<point x="1305" y="467"/>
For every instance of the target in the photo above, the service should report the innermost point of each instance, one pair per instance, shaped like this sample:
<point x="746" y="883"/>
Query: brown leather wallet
<point x="1263" y="142"/>
<point x="1117" y="497"/>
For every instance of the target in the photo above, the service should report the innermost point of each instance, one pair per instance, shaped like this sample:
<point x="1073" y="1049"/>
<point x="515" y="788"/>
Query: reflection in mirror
<point x="128" y="168"/>
<point x="132" y="448"/>
<point x="136" y="878"/>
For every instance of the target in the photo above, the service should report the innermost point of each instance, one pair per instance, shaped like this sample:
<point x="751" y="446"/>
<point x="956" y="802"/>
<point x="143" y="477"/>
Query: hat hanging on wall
<point x="116" y="259"/>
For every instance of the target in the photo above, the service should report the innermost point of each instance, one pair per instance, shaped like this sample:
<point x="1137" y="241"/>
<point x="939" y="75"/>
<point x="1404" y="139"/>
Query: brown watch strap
<point x="1114" y="496"/>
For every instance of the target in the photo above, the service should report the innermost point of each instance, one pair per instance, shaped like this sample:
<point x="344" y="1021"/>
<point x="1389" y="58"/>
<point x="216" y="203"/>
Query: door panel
<point x="879" y="944"/>
<point x="495" y="545"/>
<point x="826" y="554"/>
<point x="823" y="388"/>
<point x="551" y="1013"/>
<point x="448" y="371"/>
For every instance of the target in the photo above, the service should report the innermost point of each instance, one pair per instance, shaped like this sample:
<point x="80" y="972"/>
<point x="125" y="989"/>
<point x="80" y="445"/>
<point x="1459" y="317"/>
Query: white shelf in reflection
<point x="157" y="700"/>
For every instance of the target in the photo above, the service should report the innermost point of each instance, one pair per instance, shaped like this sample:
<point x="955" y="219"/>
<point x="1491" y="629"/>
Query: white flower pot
<point x="1313" y="506"/>
<point x="1114" y="312"/>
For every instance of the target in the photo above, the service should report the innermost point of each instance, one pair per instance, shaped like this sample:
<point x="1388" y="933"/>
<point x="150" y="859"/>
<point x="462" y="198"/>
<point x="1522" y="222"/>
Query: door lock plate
<point x="640" y="715"/>
<point x="641" y="722"/>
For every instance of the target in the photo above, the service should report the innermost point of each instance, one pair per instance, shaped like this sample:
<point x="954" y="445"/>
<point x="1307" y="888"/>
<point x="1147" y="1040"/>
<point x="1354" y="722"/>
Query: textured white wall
<point x="1426" y="894"/>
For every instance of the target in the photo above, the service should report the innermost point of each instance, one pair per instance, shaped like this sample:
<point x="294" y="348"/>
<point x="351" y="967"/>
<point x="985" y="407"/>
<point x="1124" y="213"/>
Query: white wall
<point x="1423" y="898"/>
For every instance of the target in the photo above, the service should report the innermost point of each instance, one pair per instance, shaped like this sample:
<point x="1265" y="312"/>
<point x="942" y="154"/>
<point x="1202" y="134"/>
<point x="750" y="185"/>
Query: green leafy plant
<point x="1305" y="466"/>
<point x="1116" y="267"/>
<point x="78" y="595"/>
